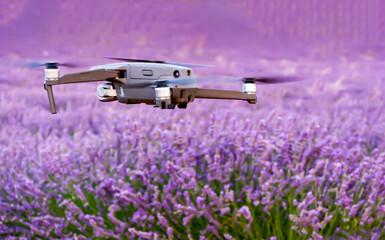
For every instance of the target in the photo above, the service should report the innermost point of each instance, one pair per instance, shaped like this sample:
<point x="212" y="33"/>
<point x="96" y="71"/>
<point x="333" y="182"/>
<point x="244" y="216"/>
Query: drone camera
<point x="176" y="73"/>
<point x="106" y="92"/>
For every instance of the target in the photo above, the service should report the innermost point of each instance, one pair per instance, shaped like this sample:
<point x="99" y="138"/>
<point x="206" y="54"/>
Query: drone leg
<point x="171" y="106"/>
<point x="163" y="105"/>
<point x="50" y="98"/>
<point x="182" y="105"/>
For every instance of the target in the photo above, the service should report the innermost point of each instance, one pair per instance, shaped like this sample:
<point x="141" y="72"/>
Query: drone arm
<point x="224" y="94"/>
<point x="218" y="94"/>
<point x="185" y="95"/>
<point x="88" y="76"/>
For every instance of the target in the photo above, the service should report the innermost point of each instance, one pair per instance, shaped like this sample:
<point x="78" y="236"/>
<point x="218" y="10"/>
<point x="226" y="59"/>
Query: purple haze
<point x="307" y="161"/>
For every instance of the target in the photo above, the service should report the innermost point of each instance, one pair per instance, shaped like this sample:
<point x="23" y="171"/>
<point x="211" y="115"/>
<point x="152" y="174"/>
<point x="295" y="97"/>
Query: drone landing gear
<point x="171" y="106"/>
<point x="164" y="105"/>
<point x="182" y="105"/>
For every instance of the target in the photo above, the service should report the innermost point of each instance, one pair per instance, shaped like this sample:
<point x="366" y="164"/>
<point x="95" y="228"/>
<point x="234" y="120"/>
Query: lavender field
<point x="306" y="162"/>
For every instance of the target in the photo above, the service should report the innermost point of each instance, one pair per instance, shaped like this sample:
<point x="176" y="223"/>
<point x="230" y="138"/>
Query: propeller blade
<point x="257" y="80"/>
<point x="31" y="65"/>
<point x="272" y="79"/>
<point x="189" y="65"/>
<point x="36" y="64"/>
<point x="140" y="84"/>
<point x="69" y="65"/>
<point x="134" y="60"/>
<point x="176" y="82"/>
<point x="156" y="61"/>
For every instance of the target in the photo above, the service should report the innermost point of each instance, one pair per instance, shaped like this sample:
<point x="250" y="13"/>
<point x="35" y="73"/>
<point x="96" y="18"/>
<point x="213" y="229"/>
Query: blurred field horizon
<point x="306" y="162"/>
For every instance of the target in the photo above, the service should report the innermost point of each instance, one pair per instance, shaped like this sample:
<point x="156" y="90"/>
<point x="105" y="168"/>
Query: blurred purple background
<point x="336" y="45"/>
<point x="199" y="31"/>
<point x="334" y="120"/>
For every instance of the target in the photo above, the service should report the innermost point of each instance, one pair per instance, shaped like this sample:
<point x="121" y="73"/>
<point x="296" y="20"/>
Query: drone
<point x="162" y="84"/>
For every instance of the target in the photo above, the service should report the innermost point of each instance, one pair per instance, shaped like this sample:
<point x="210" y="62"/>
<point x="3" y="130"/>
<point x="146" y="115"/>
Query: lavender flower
<point x="307" y="160"/>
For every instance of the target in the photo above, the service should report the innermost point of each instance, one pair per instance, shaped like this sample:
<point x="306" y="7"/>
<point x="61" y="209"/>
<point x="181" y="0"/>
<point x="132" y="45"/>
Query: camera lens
<point x="176" y="73"/>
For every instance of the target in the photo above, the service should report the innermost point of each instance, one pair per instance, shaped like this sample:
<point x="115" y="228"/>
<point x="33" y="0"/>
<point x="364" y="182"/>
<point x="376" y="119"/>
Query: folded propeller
<point x="157" y="61"/>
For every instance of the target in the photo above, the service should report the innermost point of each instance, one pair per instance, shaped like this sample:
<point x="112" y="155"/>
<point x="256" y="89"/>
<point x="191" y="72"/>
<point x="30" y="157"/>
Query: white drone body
<point x="161" y="84"/>
<point x="146" y="74"/>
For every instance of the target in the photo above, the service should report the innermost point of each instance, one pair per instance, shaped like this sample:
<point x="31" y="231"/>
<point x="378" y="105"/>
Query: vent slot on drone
<point x="146" y="72"/>
<point x="122" y="74"/>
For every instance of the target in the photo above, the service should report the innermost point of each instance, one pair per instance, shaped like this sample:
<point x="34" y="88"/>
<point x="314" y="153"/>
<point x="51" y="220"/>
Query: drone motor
<point x="51" y="71"/>
<point x="249" y="88"/>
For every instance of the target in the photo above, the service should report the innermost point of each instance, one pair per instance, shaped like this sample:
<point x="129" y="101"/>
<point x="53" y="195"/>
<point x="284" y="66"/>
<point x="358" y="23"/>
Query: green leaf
<point x="72" y="229"/>
<point x="54" y="207"/>
<point x="92" y="204"/>
<point x="16" y="224"/>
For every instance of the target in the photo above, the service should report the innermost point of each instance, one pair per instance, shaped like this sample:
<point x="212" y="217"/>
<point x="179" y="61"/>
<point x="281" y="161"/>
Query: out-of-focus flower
<point x="314" y="164"/>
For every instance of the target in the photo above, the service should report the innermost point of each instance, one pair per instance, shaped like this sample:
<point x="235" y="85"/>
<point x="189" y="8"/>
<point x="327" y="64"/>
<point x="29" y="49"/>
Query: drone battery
<point x="51" y="74"/>
<point x="250" y="88"/>
<point x="162" y="97"/>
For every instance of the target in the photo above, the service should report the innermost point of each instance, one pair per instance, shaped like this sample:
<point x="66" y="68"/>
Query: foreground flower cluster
<point x="307" y="162"/>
